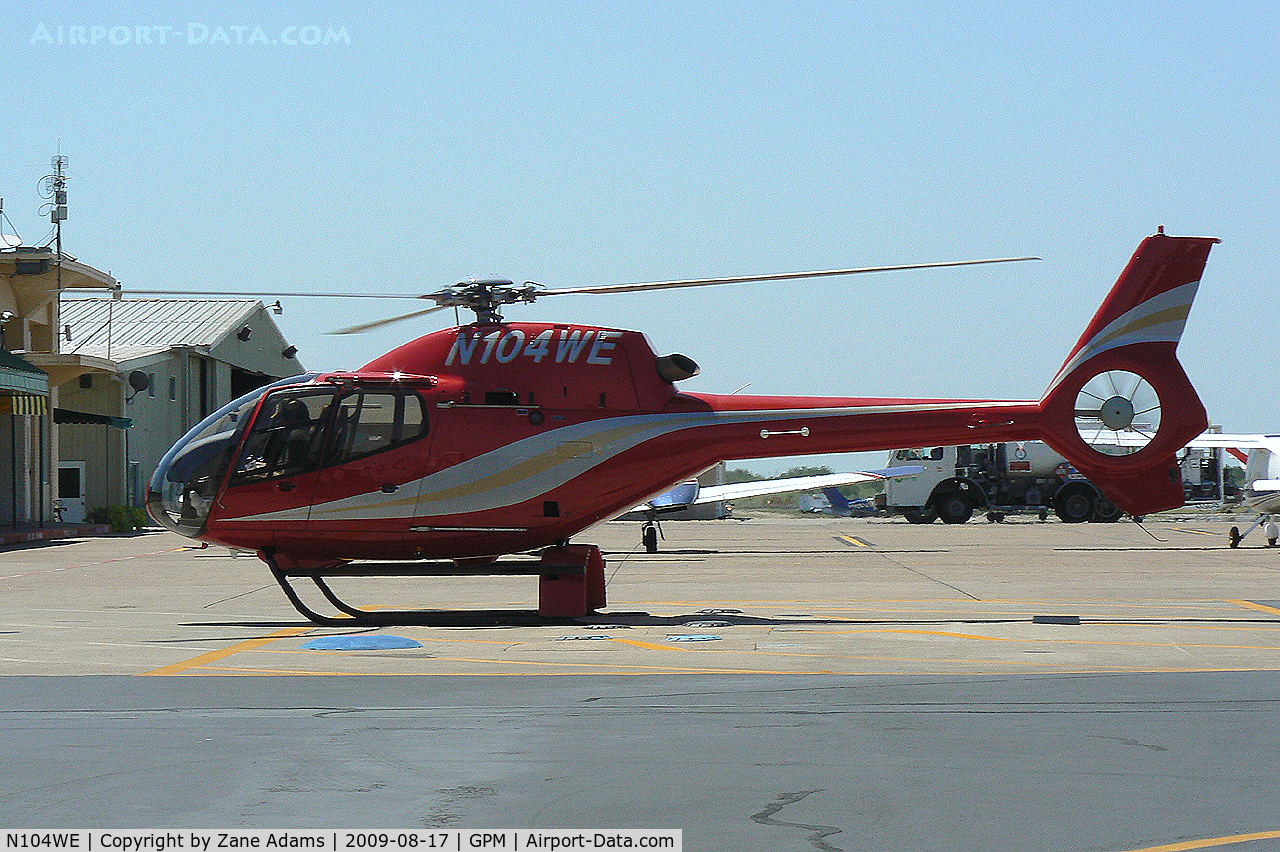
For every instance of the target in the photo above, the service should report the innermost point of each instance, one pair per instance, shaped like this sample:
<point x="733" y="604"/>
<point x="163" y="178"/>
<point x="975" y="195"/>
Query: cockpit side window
<point x="369" y="422"/>
<point x="287" y="437"/>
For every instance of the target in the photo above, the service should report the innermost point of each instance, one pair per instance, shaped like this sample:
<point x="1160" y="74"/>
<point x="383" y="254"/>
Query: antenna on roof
<point x="8" y="240"/>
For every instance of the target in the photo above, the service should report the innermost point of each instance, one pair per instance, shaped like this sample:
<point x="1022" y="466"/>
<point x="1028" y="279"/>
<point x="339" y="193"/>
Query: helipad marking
<point x="362" y="642"/>
<point x="852" y="539"/>
<point x="215" y="656"/>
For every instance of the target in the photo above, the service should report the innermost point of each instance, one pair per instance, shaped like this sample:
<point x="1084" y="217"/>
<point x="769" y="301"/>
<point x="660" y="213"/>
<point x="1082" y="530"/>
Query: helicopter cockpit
<point x="302" y="426"/>
<point x="187" y="479"/>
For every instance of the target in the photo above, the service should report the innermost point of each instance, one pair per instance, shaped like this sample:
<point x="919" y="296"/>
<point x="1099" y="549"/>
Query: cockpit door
<point x="367" y="487"/>
<point x="273" y="480"/>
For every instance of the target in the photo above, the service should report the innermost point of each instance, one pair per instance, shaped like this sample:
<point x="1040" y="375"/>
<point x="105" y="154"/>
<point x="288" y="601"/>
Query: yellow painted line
<point x="282" y="672"/>
<point x="649" y="646"/>
<point x="215" y="656"/>
<point x="1106" y="642"/>
<point x="852" y="539"/>
<point x="1210" y="842"/>
<point x="953" y="635"/>
<point x="1196" y="532"/>
<point x="1259" y="607"/>
<point x="916" y="632"/>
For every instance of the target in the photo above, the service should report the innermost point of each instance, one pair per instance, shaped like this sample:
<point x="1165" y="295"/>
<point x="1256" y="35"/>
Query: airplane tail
<point x="838" y="501"/>
<point x="1123" y="381"/>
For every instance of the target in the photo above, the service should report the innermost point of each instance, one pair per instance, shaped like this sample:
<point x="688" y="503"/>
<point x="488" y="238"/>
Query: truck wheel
<point x="1234" y="537"/>
<point x="920" y="516"/>
<point x="955" y="509"/>
<point x="1106" y="512"/>
<point x="1074" y="507"/>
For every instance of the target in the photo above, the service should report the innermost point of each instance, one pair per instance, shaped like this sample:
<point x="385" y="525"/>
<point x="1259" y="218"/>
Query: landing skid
<point x="571" y="585"/>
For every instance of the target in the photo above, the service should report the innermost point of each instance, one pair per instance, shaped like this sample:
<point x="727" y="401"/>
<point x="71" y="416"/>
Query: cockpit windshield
<point x="187" y="478"/>
<point x="288" y="436"/>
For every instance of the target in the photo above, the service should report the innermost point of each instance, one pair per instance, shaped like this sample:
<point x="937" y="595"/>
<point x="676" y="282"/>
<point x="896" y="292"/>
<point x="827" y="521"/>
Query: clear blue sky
<point x="577" y="144"/>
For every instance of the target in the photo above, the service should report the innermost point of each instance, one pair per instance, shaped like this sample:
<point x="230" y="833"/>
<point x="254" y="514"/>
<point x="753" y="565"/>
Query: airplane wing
<point x="1205" y="439"/>
<point x="1244" y="442"/>
<point x="739" y="490"/>
<point x="690" y="493"/>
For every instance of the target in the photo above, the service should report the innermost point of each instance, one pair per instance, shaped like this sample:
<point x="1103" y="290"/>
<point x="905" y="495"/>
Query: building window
<point x="173" y="387"/>
<point x="151" y="385"/>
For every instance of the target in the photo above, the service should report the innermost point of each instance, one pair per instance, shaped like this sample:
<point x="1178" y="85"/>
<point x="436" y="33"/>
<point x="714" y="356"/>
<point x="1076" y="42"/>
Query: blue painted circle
<point x="360" y="643"/>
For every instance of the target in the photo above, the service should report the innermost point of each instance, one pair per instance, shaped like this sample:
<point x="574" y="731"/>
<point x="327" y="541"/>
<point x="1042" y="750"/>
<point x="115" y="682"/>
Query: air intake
<point x="673" y="368"/>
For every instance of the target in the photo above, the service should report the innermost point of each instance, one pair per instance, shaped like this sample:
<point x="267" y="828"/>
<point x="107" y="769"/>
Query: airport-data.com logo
<point x="195" y="34"/>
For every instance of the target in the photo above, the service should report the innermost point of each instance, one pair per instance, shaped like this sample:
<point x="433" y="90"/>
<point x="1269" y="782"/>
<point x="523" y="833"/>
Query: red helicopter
<point x="499" y="438"/>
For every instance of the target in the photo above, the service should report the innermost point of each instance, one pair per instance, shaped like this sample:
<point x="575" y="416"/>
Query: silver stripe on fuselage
<point x="525" y="469"/>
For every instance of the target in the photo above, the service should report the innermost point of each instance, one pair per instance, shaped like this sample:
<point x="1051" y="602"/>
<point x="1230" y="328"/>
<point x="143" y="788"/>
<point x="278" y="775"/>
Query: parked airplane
<point x="1261" y="478"/>
<point x="691" y="493"/>
<point x="843" y="507"/>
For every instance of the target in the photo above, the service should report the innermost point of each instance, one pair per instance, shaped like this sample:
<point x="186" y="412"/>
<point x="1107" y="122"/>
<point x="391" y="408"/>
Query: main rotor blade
<point x="776" y="276"/>
<point x="370" y="326"/>
<point x="260" y="294"/>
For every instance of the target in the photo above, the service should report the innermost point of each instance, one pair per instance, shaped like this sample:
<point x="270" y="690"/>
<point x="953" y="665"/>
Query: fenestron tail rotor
<point x="1117" y="411"/>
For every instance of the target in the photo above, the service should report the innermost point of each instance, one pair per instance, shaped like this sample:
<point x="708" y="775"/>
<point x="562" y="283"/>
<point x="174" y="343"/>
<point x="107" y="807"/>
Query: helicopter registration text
<point x="565" y="345"/>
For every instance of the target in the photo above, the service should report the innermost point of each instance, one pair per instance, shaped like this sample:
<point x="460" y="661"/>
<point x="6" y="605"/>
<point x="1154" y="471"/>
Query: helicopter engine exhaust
<point x="674" y="368"/>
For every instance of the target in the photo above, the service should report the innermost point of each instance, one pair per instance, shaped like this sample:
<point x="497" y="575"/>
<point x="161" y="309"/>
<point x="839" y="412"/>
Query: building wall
<point x="101" y="448"/>
<point x="161" y="414"/>
<point x="183" y="387"/>
<point x="184" y="384"/>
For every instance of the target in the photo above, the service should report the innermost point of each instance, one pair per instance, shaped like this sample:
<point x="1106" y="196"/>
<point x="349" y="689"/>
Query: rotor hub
<point x="485" y="297"/>
<point x="1116" y="413"/>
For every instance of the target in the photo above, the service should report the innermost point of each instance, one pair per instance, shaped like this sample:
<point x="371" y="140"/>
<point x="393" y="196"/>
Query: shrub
<point x="123" y="519"/>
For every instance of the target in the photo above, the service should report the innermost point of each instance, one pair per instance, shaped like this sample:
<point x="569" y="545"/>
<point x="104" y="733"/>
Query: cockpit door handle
<point x="287" y="485"/>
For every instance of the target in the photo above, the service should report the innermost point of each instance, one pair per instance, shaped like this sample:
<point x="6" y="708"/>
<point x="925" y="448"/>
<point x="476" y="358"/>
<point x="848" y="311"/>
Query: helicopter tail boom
<point x="1119" y="410"/>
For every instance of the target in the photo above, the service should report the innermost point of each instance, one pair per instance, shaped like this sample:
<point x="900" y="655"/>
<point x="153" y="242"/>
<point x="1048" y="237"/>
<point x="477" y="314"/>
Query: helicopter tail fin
<point x="1122" y="407"/>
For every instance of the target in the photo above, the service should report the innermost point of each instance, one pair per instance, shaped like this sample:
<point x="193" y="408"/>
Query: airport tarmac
<point x="775" y="683"/>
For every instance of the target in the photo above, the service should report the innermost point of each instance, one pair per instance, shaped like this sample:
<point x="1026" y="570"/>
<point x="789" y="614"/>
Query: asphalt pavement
<point x="776" y="683"/>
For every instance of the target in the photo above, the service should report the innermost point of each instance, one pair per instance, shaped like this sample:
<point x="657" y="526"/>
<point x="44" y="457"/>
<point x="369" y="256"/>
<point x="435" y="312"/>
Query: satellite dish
<point x="10" y="241"/>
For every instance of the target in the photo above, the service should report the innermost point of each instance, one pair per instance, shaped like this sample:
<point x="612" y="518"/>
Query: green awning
<point x="85" y="418"/>
<point x="21" y="376"/>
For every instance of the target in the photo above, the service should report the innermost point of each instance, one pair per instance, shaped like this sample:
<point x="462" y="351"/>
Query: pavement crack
<point x="1132" y="742"/>
<point x="918" y="573"/>
<point x="818" y="832"/>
